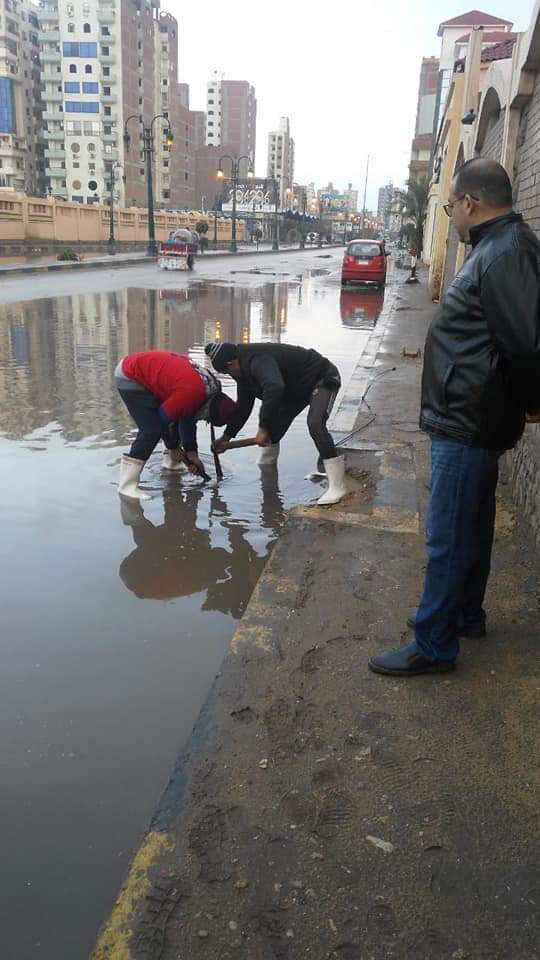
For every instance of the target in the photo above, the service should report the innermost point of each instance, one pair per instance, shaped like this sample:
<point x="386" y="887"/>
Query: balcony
<point x="107" y="58"/>
<point x="109" y="98"/>
<point x="50" y="36"/>
<point x="55" y="173"/>
<point x="110" y="155"/>
<point x="57" y="153"/>
<point x="52" y="56"/>
<point x="53" y="135"/>
<point x="106" y="15"/>
<point x="110" y="138"/>
<point x="52" y="96"/>
<point x="52" y="115"/>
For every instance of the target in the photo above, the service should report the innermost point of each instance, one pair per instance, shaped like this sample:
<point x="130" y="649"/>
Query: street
<point x="117" y="616"/>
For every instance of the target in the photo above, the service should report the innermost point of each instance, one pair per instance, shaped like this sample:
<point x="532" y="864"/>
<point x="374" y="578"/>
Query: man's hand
<point x="178" y="455"/>
<point x="532" y="417"/>
<point x="194" y="463"/>
<point x="263" y="438"/>
<point x="221" y="444"/>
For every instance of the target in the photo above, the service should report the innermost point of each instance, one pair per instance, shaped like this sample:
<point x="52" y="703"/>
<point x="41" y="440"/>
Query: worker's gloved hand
<point x="263" y="438"/>
<point x="221" y="444"/>
<point x="195" y="464"/>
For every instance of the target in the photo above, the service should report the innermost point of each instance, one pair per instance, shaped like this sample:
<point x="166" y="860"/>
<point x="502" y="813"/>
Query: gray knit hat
<point x="221" y="354"/>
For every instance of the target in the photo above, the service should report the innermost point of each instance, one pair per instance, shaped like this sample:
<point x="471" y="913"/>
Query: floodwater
<point x="116" y="616"/>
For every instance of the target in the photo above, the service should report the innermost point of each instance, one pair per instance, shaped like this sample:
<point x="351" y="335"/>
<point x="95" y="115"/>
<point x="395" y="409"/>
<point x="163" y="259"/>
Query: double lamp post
<point x="147" y="133"/>
<point x="235" y="176"/>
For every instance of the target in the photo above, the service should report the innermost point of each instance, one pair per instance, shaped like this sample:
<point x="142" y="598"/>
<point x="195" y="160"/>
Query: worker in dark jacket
<point x="287" y="379"/>
<point x="166" y="394"/>
<point x="481" y="381"/>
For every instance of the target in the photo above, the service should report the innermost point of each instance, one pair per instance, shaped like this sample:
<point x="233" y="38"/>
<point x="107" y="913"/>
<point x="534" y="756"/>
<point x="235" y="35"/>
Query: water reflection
<point x="57" y="357"/>
<point x="185" y="555"/>
<point x="360" y="309"/>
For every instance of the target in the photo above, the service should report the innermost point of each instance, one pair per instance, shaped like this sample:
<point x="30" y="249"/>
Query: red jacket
<point x="170" y="377"/>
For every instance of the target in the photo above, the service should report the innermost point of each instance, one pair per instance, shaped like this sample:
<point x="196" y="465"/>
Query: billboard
<point x="253" y="196"/>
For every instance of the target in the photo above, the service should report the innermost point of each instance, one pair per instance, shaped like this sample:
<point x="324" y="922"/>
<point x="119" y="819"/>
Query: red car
<point x="364" y="260"/>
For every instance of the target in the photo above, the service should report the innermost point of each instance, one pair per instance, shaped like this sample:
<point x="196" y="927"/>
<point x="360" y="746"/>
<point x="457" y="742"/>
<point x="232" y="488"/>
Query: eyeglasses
<point x="448" y="207"/>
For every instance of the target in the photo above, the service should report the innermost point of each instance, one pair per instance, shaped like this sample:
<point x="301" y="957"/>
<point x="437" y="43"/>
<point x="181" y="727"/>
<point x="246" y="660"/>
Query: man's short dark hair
<point x="486" y="180"/>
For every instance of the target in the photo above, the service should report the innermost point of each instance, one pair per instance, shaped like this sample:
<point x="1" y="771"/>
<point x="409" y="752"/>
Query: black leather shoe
<point x="408" y="661"/>
<point x="475" y="632"/>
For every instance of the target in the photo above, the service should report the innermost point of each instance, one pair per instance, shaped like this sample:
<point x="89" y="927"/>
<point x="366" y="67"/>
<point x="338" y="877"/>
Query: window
<point x="91" y="128"/>
<point x="105" y="32"/>
<point x="91" y="147"/>
<point x="78" y="106"/>
<point x="166" y="194"/>
<point x="88" y="68"/>
<point x="105" y="51"/>
<point x="72" y="87"/>
<point x="73" y="128"/>
<point x="107" y="111"/>
<point x="106" y="71"/>
<point x="165" y="163"/>
<point x="76" y="184"/>
<point x="210" y="113"/>
<point x="106" y="91"/>
<point x="72" y="68"/>
<point x="75" y="147"/>
<point x="210" y="123"/>
<point x="186" y="176"/>
<point x="77" y="199"/>
<point x="107" y="130"/>
<point x="90" y="88"/>
<point x="80" y="49"/>
<point x="7" y="110"/>
<point x="71" y="28"/>
<point x="87" y="28"/>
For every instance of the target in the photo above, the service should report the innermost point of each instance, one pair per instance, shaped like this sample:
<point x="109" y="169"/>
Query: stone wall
<point x="493" y="143"/>
<point x="524" y="462"/>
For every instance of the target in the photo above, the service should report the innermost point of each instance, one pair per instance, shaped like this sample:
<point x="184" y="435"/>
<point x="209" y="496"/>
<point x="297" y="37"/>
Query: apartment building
<point x="231" y="116"/>
<point x="280" y="165"/>
<point x="105" y="63"/>
<point x="21" y="150"/>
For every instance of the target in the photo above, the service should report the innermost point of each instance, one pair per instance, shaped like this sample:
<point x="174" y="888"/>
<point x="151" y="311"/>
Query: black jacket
<point x="482" y="355"/>
<point x="279" y="375"/>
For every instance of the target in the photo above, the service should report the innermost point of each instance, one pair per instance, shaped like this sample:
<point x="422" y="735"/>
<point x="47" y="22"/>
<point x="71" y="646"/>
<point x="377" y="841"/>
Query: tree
<point x="202" y="227"/>
<point x="416" y="201"/>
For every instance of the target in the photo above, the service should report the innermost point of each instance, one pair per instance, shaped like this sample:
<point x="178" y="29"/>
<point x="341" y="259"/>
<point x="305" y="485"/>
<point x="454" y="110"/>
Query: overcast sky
<point x="345" y="73"/>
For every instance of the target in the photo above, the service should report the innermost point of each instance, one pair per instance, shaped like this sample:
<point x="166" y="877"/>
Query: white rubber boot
<point x="268" y="455"/>
<point x="335" y="471"/>
<point x="170" y="464"/>
<point x="130" y="472"/>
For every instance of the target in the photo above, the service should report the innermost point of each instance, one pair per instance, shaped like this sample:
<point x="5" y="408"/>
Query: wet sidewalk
<point x="321" y="811"/>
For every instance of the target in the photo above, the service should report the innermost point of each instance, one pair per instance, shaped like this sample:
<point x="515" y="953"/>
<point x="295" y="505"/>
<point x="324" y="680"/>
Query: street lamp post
<point x="235" y="173"/>
<point x="111" y="243"/>
<point x="148" y="151"/>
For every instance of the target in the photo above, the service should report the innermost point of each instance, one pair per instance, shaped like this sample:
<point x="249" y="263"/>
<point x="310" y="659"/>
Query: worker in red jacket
<point x="166" y="394"/>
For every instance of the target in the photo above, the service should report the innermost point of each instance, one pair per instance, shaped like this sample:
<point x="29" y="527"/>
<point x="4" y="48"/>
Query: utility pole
<point x="365" y="194"/>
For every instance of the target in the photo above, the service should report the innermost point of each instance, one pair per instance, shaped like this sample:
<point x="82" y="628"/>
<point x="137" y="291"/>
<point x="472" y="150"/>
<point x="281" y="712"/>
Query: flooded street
<point x="116" y="616"/>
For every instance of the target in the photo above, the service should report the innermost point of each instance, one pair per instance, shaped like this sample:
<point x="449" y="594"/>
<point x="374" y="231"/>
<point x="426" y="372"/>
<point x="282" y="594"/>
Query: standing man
<point x="287" y="379"/>
<point x="481" y="378"/>
<point x="166" y="394"/>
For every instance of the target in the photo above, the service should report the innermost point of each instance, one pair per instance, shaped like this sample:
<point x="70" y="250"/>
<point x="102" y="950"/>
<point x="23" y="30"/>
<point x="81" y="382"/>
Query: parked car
<point x="364" y="260"/>
<point x="312" y="237"/>
<point x="360" y="309"/>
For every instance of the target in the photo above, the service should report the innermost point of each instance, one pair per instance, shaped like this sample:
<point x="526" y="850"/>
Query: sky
<point x="346" y="74"/>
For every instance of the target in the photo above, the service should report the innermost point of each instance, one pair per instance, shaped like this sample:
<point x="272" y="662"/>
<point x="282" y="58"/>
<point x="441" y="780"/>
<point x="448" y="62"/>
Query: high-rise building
<point x="351" y="199"/>
<point x="231" y="116"/>
<point x="21" y="150"/>
<point x="106" y="62"/>
<point x="386" y="194"/>
<point x="280" y="165"/>
<point x="422" y="143"/>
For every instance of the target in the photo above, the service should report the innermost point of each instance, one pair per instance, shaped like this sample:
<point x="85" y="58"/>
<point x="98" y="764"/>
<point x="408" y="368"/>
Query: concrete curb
<point x="115" y="263"/>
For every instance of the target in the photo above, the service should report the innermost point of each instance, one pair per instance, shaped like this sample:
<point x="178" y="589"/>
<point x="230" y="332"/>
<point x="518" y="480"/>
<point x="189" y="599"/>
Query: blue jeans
<point x="459" y="537"/>
<point x="144" y="408"/>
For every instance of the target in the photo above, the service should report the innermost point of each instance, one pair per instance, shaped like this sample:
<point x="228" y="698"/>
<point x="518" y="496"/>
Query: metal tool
<point x="217" y="464"/>
<point x="237" y="444"/>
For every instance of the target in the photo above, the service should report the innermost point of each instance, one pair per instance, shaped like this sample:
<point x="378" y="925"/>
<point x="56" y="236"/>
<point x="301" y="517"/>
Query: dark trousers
<point x="320" y="402"/>
<point x="459" y="538"/>
<point x="143" y="407"/>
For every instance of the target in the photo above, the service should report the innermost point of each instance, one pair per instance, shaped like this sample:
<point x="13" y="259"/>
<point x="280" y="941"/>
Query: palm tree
<point x="417" y="200"/>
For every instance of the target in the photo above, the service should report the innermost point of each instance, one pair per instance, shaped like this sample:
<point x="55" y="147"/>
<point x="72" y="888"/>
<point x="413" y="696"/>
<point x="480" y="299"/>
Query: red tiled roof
<point x="495" y="36"/>
<point x="499" y="51"/>
<point x="473" y="18"/>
